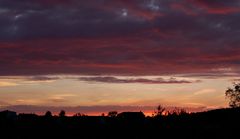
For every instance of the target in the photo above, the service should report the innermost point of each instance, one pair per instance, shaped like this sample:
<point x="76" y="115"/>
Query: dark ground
<point x="215" y="124"/>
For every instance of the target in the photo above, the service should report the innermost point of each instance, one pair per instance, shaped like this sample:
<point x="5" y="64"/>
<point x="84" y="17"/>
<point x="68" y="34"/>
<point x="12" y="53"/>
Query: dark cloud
<point x="212" y="75"/>
<point x="116" y="56"/>
<point x="196" y="7"/>
<point x="219" y="3"/>
<point x="66" y="19"/>
<point x="42" y="78"/>
<point x="138" y="80"/>
<point x="119" y="37"/>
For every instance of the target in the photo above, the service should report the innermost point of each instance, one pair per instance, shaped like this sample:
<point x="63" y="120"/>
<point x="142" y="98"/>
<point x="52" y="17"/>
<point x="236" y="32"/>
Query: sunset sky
<point x="67" y="53"/>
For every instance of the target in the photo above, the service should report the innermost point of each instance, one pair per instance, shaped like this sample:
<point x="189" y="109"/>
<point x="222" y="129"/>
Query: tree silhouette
<point x="77" y="115"/>
<point x="48" y="114"/>
<point x="112" y="114"/>
<point x="160" y="111"/>
<point x="62" y="113"/>
<point x="234" y="95"/>
<point x="176" y="111"/>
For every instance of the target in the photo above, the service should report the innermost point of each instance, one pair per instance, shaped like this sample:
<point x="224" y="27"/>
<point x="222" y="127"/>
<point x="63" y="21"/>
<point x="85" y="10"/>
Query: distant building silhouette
<point x="131" y="115"/>
<point x="10" y="115"/>
<point x="29" y="116"/>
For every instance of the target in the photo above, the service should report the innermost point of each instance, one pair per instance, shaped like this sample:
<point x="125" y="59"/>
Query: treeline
<point x="221" y="123"/>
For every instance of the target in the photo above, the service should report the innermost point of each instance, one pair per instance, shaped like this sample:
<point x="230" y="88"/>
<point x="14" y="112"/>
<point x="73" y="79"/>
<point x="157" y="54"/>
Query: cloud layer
<point x="137" y="37"/>
<point x="138" y="80"/>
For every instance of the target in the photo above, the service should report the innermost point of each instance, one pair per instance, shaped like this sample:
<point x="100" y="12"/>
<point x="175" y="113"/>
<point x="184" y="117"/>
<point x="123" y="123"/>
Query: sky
<point x="128" y="53"/>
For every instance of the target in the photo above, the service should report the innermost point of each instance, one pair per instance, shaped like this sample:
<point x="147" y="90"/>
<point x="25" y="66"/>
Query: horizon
<point x="61" y="53"/>
<point x="97" y="110"/>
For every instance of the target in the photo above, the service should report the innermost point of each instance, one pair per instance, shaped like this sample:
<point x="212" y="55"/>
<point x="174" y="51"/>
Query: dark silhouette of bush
<point x="234" y="95"/>
<point x="160" y="111"/>
<point x="48" y="114"/>
<point x="62" y="113"/>
<point x="112" y="114"/>
<point x="177" y="111"/>
<point x="77" y="115"/>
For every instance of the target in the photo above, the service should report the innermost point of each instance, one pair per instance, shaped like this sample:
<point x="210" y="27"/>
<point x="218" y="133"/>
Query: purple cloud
<point x="138" y="80"/>
<point x="105" y="37"/>
<point x="42" y="78"/>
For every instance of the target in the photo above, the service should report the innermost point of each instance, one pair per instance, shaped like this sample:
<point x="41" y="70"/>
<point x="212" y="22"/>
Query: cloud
<point x="111" y="57"/>
<point x="212" y="75"/>
<point x="235" y="80"/>
<point x="218" y="6"/>
<point x="105" y="37"/>
<point x="57" y="100"/>
<point x="60" y="98"/>
<point x="7" y="84"/>
<point x="96" y="18"/>
<point x="136" y="80"/>
<point x="3" y="104"/>
<point x="42" y="78"/>
<point x="205" y="92"/>
<point x="11" y="81"/>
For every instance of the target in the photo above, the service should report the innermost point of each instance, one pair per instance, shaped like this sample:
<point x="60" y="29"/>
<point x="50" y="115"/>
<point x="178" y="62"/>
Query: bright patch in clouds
<point x="205" y="91"/>
<point x="7" y="84"/>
